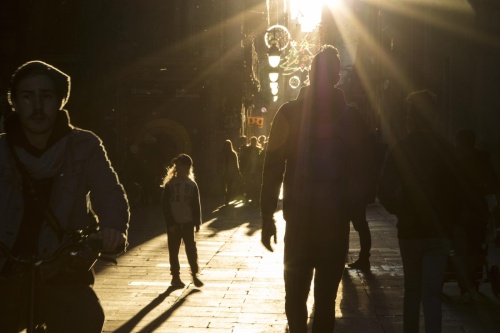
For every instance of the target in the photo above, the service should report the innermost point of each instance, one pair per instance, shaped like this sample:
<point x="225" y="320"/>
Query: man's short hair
<point x="62" y="81"/>
<point x="325" y="67"/>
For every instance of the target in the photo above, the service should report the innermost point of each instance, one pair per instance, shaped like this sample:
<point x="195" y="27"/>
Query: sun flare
<point x="308" y="12"/>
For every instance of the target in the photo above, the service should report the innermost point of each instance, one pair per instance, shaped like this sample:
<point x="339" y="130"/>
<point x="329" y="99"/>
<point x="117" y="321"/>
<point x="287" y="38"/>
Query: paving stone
<point x="244" y="288"/>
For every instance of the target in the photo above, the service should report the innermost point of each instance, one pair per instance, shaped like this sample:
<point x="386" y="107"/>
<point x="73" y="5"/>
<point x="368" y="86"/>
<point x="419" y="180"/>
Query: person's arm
<point x="237" y="163"/>
<point x="166" y="207"/>
<point x="196" y="207"/>
<point x="107" y="198"/>
<point x="389" y="191"/>
<point x="272" y="176"/>
<point x="274" y="164"/>
<point x="361" y="155"/>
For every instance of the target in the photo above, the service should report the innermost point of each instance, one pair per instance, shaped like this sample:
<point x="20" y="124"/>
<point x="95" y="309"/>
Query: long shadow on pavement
<point x="365" y="307"/>
<point x="132" y="322"/>
<point x="227" y="217"/>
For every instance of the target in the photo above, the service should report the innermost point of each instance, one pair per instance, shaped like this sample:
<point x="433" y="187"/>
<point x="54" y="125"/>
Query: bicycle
<point x="82" y="252"/>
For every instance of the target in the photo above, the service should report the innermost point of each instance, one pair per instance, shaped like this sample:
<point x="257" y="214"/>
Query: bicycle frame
<point x="79" y="241"/>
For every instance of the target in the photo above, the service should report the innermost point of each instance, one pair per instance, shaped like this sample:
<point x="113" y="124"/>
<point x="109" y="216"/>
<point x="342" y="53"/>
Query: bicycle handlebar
<point x="78" y="240"/>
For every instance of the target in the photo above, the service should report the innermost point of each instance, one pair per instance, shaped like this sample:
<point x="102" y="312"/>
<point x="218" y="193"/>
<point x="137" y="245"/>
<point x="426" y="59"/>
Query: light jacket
<point x="86" y="180"/>
<point x="181" y="210"/>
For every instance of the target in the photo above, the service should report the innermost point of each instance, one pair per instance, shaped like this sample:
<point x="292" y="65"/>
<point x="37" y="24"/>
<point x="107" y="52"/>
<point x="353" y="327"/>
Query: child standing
<point x="182" y="210"/>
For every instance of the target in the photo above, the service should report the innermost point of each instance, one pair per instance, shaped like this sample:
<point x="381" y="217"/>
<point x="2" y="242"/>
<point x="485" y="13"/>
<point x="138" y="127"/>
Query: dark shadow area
<point x="145" y="224"/>
<point x="227" y="217"/>
<point x="482" y="314"/>
<point x="365" y="303"/>
<point x="132" y="322"/>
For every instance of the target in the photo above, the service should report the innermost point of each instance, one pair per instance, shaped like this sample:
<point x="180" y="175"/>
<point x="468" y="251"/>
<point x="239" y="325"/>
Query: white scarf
<point x="48" y="164"/>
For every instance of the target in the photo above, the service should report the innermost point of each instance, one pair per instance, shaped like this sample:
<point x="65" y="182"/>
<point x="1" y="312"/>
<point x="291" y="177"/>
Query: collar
<point x="16" y="136"/>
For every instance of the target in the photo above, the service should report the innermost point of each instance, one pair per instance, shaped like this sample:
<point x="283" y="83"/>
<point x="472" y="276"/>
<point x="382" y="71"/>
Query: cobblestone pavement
<point x="244" y="290"/>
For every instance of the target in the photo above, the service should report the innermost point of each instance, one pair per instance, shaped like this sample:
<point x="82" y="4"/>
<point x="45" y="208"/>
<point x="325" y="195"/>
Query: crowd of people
<point x="320" y="154"/>
<point x="242" y="169"/>
<point x="319" y="150"/>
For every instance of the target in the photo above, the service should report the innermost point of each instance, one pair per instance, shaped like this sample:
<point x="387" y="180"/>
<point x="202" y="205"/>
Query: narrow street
<point x="243" y="289"/>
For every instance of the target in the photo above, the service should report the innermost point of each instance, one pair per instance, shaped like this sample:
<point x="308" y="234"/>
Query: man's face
<point x="37" y="104"/>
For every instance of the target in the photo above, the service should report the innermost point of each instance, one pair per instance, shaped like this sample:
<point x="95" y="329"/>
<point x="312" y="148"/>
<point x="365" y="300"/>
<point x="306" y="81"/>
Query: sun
<point x="308" y="12"/>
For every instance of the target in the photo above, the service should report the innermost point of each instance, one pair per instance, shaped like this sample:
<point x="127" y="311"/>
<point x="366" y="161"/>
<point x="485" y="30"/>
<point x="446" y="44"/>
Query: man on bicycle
<point x="54" y="179"/>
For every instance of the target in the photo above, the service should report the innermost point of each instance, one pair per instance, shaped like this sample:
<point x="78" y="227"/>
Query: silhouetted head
<point x="183" y="160"/>
<point x="253" y="141"/>
<point x="325" y="67"/>
<point x="228" y="146"/>
<point x="62" y="81"/>
<point x="422" y="110"/>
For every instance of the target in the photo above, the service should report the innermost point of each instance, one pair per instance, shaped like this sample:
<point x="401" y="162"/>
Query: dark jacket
<point x="231" y="167"/>
<point x="420" y="185"/>
<point x="286" y="153"/>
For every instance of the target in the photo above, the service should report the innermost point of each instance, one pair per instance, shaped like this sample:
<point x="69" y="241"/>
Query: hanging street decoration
<point x="300" y="54"/>
<point x="294" y="82"/>
<point x="277" y="35"/>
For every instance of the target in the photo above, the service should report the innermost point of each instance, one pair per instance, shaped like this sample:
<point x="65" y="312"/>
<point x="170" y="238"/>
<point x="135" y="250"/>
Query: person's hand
<point x="268" y="231"/>
<point x="111" y="239"/>
<point x="197" y="228"/>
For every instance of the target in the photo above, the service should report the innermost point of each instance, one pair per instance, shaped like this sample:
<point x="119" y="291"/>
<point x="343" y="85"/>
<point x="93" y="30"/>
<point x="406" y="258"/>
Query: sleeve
<point x="166" y="207"/>
<point x="243" y="159"/>
<point x="196" y="206"/>
<point x="491" y="182"/>
<point x="274" y="163"/>
<point x="237" y="162"/>
<point x="362" y="157"/>
<point x="389" y="191"/>
<point x="107" y="196"/>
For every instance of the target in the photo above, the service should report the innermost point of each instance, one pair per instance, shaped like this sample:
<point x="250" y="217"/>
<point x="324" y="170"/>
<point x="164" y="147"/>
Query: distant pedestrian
<point x="182" y="210"/>
<point x="360" y="224"/>
<point x="231" y="170"/>
<point x="262" y="142"/>
<point x="420" y="186"/>
<point x="469" y="235"/>
<point x="317" y="149"/>
<point x="242" y="145"/>
<point x="358" y="209"/>
<point x="252" y="159"/>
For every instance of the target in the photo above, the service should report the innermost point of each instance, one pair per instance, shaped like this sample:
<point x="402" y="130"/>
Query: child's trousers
<point x="185" y="233"/>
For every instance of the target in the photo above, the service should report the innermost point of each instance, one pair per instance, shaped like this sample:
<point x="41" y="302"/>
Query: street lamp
<point x="274" y="56"/>
<point x="273" y="75"/>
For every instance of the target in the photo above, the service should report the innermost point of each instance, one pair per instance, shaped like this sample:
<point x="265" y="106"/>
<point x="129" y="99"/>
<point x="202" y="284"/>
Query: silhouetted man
<point x="322" y="145"/>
